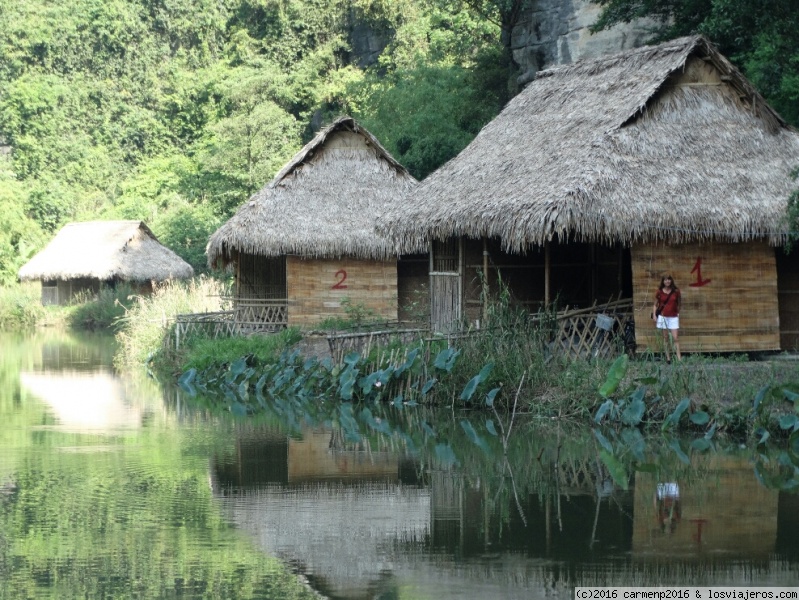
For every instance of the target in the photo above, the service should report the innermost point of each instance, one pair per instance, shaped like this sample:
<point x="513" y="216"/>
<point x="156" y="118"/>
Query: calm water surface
<point x="112" y="486"/>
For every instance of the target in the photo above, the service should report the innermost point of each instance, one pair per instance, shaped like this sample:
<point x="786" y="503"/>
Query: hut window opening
<point x="445" y="256"/>
<point x="261" y="277"/>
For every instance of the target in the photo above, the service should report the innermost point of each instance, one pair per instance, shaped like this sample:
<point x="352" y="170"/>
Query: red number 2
<point x="342" y="277"/>
<point x="698" y="270"/>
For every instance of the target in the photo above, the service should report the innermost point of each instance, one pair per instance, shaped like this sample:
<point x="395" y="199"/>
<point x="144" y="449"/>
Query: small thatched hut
<point x="306" y="242"/>
<point x="85" y="256"/>
<point x="601" y="176"/>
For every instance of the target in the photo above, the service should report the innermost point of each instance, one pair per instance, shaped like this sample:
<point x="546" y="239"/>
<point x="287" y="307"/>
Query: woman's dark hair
<point x="663" y="282"/>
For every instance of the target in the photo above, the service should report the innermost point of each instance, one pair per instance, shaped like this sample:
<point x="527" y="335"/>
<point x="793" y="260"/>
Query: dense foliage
<point x="175" y="112"/>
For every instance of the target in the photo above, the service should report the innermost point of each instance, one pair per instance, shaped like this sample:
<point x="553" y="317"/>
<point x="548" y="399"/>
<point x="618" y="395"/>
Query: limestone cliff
<point x="557" y="32"/>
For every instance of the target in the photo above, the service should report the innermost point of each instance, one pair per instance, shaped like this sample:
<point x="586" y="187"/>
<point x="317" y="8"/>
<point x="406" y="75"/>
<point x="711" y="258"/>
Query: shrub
<point x="21" y="306"/>
<point x="103" y="311"/>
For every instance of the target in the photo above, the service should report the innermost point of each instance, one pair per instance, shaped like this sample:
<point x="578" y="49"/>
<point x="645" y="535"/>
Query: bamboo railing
<point x="597" y="331"/>
<point x="601" y="330"/>
<point x="248" y="316"/>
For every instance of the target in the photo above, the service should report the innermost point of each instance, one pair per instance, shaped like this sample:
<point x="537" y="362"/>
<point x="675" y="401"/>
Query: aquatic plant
<point x="409" y="378"/>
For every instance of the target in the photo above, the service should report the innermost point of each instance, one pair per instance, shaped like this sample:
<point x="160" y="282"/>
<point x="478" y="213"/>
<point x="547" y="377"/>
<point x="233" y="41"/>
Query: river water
<point x="113" y="486"/>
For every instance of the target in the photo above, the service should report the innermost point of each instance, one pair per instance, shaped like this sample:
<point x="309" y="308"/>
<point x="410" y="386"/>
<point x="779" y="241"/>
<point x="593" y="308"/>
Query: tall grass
<point x="147" y="320"/>
<point x="519" y="346"/>
<point x="21" y="307"/>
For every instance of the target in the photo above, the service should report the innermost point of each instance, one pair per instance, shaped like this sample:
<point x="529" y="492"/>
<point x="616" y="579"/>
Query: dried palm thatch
<point x="659" y="143"/>
<point x="106" y="250"/>
<point x="323" y="203"/>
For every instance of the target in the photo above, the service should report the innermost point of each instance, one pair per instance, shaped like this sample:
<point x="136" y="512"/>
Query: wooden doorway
<point x="446" y="285"/>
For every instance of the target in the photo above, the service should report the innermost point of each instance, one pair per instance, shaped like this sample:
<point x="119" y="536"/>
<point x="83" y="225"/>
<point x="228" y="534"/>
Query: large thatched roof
<point x="105" y="250"/>
<point x="323" y="203"/>
<point x="659" y="143"/>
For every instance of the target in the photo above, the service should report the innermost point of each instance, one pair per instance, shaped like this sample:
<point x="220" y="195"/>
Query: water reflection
<point x="360" y="523"/>
<point x="83" y="402"/>
<point x="111" y="486"/>
<point x="105" y="493"/>
<point x="727" y="515"/>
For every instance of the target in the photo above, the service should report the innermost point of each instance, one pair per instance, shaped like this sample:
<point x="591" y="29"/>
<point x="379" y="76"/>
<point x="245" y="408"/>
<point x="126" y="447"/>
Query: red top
<point x="669" y="306"/>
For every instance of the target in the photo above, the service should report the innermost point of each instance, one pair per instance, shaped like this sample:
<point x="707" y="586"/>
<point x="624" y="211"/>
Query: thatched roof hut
<point x="624" y="149"/>
<point x="307" y="241"/>
<point x="106" y="251"/>
<point x="323" y="203"/>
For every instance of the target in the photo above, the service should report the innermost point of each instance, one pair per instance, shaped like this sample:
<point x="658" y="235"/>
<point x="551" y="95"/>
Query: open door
<point x="446" y="285"/>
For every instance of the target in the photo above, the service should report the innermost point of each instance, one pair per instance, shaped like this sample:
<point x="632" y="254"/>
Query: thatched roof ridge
<point x="341" y="123"/>
<point x="617" y="149"/>
<point x="106" y="250"/>
<point x="323" y="203"/>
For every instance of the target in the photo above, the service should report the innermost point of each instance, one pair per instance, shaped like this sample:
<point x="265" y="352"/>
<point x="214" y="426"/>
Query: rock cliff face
<point x="550" y="33"/>
<point x="556" y="32"/>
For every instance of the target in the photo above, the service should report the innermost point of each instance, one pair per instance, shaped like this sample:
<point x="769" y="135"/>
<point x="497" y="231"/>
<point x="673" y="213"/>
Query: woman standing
<point x="666" y="314"/>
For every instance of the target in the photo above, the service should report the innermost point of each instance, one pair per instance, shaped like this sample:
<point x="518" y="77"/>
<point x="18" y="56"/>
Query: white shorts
<point x="668" y="490"/>
<point x="668" y="322"/>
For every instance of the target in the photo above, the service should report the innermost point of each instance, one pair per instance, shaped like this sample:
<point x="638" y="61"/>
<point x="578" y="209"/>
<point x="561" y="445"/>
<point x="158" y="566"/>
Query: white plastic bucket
<point x="604" y="322"/>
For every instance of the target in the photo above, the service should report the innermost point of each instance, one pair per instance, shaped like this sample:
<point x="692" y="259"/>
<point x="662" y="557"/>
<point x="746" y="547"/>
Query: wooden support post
<point x="547" y="266"/>
<point x="461" y="275"/>
<point x="485" y="278"/>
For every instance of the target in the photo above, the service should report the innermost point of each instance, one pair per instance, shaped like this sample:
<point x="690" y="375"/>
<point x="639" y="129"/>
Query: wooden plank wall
<point x="729" y="295"/>
<point x="316" y="288"/>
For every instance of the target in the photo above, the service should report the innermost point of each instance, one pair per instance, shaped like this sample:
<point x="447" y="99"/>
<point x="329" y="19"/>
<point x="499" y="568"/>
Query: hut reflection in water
<point x="355" y="520"/>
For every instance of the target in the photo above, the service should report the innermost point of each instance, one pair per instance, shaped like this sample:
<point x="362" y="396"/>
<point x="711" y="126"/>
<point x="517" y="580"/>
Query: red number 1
<point x="698" y="270"/>
<point x="339" y="285"/>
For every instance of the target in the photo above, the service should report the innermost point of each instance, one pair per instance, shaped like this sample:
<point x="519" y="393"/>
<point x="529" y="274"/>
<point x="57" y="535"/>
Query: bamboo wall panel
<point x="445" y="302"/>
<point x="729" y="301"/>
<point x="49" y="295"/>
<point x="70" y="288"/>
<point x="317" y="287"/>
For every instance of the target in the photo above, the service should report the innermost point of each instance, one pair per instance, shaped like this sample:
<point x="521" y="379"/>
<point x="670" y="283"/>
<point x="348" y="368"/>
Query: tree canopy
<point x="175" y="112"/>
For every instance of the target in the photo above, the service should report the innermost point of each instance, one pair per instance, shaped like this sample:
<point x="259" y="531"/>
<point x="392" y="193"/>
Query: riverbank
<point x="21" y="308"/>
<point x="508" y="365"/>
<point x="510" y="368"/>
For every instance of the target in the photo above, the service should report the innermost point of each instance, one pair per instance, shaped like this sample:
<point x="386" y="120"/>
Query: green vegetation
<point x="21" y="307"/>
<point x="506" y="366"/>
<point x="145" y="327"/>
<point x="103" y="311"/>
<point x="265" y="349"/>
<point x="174" y="113"/>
